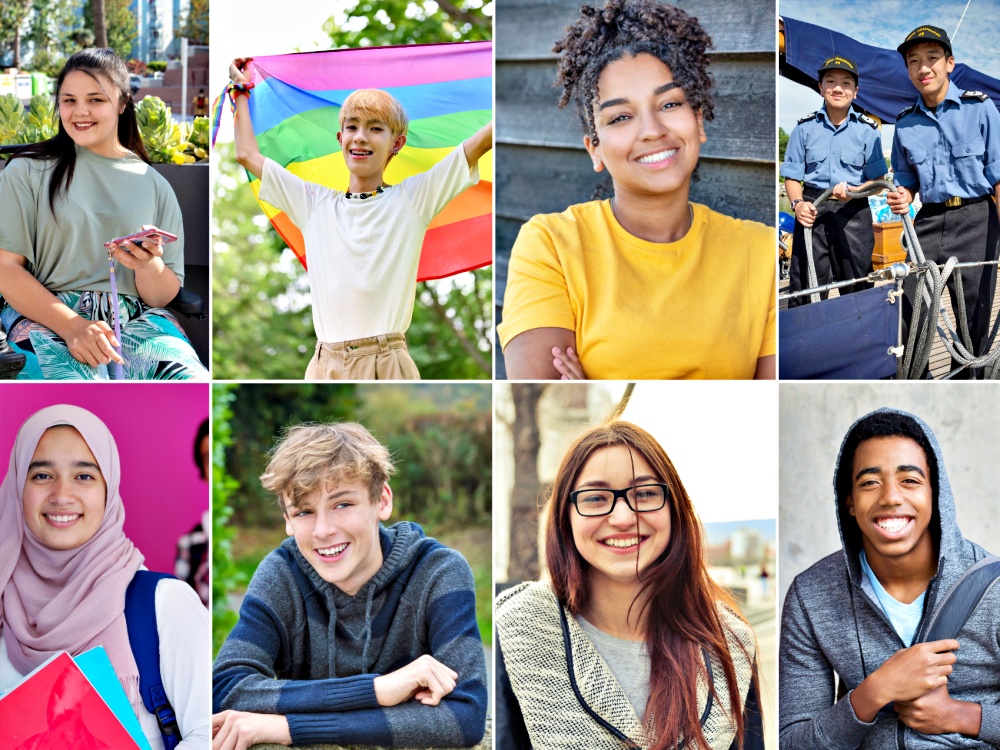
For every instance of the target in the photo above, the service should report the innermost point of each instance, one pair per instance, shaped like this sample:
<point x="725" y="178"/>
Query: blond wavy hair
<point x="308" y="454"/>
<point x="374" y="104"/>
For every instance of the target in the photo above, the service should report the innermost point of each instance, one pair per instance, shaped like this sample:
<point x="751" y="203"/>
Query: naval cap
<point x="838" y="62"/>
<point x="926" y="34"/>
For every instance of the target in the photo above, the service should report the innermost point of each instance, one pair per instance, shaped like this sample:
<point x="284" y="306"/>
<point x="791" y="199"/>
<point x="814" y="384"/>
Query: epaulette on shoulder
<point x="868" y="121"/>
<point x="906" y="111"/>
<point x="974" y="95"/>
<point x="810" y="116"/>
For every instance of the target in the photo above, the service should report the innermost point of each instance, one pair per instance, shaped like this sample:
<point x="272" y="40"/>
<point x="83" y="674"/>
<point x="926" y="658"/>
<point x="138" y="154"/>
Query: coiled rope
<point x="929" y="289"/>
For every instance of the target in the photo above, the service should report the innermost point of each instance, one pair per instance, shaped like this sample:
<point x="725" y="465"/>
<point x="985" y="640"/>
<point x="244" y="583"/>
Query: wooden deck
<point x="940" y="360"/>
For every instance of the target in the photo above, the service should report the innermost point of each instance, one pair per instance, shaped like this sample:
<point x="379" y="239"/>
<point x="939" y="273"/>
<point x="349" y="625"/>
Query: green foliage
<point x="369" y="23"/>
<point x="121" y="23"/>
<point x="262" y="326"/>
<point x="13" y="25"/>
<point x="782" y="144"/>
<point x="260" y="412"/>
<point x="156" y="66"/>
<point x="440" y="436"/>
<point x="198" y="138"/>
<point x="195" y="26"/>
<point x="48" y="35"/>
<point x="226" y="576"/>
<point x="261" y="309"/>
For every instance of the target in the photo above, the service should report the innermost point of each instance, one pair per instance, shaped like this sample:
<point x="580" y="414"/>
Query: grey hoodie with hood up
<point x="833" y="623"/>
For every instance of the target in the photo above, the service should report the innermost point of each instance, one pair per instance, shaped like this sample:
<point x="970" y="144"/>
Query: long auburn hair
<point x="678" y="598"/>
<point x="94" y="61"/>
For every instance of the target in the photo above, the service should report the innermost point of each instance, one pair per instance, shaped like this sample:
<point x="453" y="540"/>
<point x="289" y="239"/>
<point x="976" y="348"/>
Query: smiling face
<point x="367" y="147"/>
<point x="611" y="544"/>
<point x="892" y="498"/>
<point x="648" y="136"/>
<point x="838" y="89"/>
<point x="89" y="107"/>
<point x="64" y="493"/>
<point x="336" y="529"/>
<point x="929" y="66"/>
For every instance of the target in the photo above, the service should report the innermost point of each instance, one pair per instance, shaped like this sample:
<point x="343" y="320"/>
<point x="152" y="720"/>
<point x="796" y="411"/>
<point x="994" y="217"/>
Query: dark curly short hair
<point x="626" y="28"/>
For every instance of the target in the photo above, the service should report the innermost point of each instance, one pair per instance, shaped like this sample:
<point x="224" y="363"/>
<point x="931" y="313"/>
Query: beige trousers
<point x="373" y="358"/>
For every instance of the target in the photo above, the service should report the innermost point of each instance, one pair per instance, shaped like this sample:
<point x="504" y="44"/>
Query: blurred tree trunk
<point x="100" y="24"/>
<point x="523" y="565"/>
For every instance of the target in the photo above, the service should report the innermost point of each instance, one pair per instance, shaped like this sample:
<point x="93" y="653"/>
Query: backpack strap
<point x="140" y="619"/>
<point x="962" y="600"/>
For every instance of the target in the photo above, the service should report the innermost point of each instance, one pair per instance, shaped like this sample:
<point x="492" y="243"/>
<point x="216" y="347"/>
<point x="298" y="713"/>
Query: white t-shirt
<point x="362" y="254"/>
<point x="185" y="632"/>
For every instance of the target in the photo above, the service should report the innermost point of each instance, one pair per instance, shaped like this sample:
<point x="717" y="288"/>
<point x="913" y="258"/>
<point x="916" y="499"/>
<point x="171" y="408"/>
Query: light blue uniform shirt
<point x="904" y="617"/>
<point x="952" y="151"/>
<point x="822" y="155"/>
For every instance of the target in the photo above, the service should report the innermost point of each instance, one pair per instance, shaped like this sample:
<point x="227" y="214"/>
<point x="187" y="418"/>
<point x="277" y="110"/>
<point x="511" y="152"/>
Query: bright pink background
<point x="154" y="425"/>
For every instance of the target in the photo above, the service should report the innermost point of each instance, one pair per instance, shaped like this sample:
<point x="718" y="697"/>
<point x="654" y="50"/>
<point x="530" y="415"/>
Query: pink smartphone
<point x="145" y="234"/>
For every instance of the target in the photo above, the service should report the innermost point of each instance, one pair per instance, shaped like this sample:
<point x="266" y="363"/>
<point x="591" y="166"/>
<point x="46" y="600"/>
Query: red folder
<point x="56" y="708"/>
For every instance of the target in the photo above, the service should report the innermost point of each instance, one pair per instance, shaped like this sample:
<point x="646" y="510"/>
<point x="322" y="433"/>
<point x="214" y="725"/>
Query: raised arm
<point x="248" y="153"/>
<point x="479" y="143"/>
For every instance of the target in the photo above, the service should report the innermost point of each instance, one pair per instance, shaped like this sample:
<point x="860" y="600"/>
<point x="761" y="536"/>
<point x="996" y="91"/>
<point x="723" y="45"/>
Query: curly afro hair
<point x="626" y="28"/>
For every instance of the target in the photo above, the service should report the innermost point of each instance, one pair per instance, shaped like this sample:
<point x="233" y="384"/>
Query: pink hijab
<point x="66" y="600"/>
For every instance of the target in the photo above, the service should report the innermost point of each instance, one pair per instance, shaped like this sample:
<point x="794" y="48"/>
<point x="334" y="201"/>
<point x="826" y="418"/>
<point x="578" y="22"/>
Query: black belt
<point x="956" y="202"/>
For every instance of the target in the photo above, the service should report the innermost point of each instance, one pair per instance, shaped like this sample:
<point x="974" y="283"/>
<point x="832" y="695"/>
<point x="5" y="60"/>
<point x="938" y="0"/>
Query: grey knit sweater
<point x="305" y="649"/>
<point x="832" y="623"/>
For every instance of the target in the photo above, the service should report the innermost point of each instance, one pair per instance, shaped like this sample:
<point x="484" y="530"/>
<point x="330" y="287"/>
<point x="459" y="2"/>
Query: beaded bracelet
<point x="235" y="89"/>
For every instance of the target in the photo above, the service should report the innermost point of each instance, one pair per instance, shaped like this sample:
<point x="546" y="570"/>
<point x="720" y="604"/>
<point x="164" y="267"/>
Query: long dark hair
<point x="678" y="598"/>
<point x="94" y="61"/>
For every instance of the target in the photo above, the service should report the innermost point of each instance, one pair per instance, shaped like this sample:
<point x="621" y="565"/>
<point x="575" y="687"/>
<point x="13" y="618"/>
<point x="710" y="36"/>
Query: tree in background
<point x="13" y="18"/>
<point x="48" y="35"/>
<point x="120" y="25"/>
<point x="195" y="26"/>
<point x="389" y="22"/>
<point x="782" y="144"/>
<point x="523" y="565"/>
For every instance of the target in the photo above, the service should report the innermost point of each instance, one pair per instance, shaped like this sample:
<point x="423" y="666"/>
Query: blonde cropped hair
<point x="311" y="453"/>
<point x="374" y="104"/>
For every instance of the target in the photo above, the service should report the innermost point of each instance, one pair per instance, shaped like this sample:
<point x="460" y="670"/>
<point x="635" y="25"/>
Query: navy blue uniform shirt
<point x="952" y="151"/>
<point x="822" y="155"/>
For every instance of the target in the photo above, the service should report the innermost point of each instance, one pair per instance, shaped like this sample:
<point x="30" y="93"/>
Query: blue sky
<point x="886" y="24"/>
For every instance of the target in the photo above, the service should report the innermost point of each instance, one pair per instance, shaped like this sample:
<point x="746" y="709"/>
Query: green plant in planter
<point x="41" y="120"/>
<point x="164" y="138"/>
<point x="198" y="139"/>
<point x="11" y="120"/>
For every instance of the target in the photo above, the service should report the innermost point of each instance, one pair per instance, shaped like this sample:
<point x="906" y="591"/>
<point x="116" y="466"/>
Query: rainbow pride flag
<point x="446" y="90"/>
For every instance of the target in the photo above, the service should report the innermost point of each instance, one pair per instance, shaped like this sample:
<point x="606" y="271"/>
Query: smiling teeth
<point x="622" y="542"/>
<point x="892" y="525"/>
<point x="331" y="551"/>
<point x="63" y="519"/>
<point x="654" y="158"/>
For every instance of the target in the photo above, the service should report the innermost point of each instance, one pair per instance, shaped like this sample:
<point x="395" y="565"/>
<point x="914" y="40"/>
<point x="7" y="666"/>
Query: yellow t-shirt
<point x="701" y="307"/>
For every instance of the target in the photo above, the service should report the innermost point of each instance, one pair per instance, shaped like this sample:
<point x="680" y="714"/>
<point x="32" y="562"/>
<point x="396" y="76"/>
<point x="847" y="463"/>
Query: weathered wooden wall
<point x="541" y="165"/>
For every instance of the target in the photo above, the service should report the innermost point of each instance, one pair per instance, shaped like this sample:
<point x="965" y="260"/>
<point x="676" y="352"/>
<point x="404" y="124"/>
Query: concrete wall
<point x="813" y="419"/>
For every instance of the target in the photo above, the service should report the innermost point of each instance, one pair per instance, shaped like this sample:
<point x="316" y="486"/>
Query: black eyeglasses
<point x="645" y="498"/>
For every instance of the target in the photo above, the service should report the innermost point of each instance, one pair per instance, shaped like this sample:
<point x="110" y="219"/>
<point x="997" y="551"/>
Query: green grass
<point x="251" y="545"/>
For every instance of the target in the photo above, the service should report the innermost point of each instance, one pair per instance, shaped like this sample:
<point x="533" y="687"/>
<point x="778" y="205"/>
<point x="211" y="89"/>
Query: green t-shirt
<point x="108" y="198"/>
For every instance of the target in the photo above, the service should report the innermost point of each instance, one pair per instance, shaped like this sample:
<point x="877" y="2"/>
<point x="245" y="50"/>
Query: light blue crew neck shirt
<point x="904" y="617"/>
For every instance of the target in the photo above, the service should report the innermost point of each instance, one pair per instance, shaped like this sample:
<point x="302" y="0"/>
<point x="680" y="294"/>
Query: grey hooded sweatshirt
<point x="833" y="623"/>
